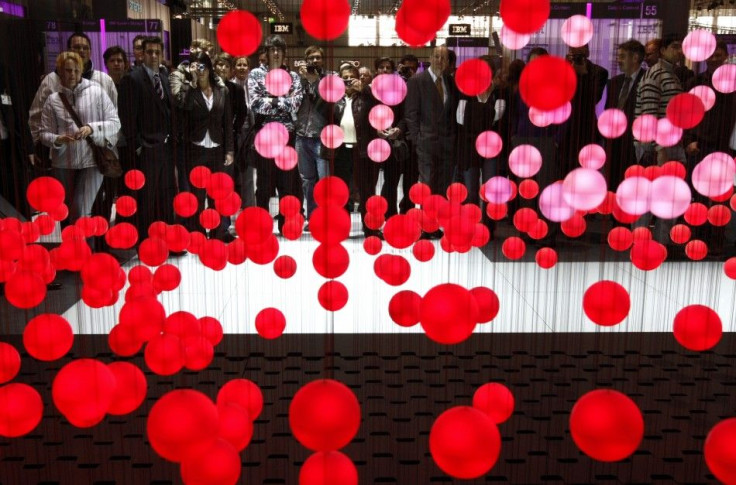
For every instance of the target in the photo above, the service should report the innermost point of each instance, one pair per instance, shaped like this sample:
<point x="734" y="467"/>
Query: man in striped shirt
<point x="657" y="87"/>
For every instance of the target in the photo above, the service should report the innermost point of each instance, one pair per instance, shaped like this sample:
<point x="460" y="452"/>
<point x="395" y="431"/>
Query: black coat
<point x="620" y="152"/>
<point x="197" y="120"/>
<point x="146" y="119"/>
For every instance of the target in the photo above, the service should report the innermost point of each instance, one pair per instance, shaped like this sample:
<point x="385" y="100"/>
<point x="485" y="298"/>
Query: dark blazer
<point x="145" y="118"/>
<point x="427" y="119"/>
<point x="620" y="151"/>
<point x="197" y="119"/>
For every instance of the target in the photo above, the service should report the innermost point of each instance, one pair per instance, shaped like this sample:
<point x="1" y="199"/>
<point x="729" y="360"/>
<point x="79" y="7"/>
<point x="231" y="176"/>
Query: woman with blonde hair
<point x="72" y="157"/>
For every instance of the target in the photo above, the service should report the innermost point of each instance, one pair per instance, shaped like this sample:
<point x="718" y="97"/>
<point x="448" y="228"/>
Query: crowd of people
<point x="165" y="121"/>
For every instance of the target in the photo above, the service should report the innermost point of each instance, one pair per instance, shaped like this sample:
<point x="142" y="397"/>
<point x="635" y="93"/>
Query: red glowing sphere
<point x="546" y="258"/>
<point x="330" y="260"/>
<point x="324" y="415"/>
<point x="25" y="289"/>
<point x="284" y="267"/>
<point x="449" y="313"/>
<point x="181" y="424"/>
<point x="236" y="426"/>
<point x="720" y="451"/>
<point x="524" y="16"/>
<point x="328" y="468"/>
<point x="606" y="425"/>
<point x="325" y="19"/>
<point x="473" y="77"/>
<point x="239" y="33"/>
<point x="130" y="389"/>
<point x="697" y="327"/>
<point x="134" y="179"/>
<point x="48" y="337"/>
<point x="217" y="464"/>
<point x="685" y="111"/>
<point x="372" y="245"/>
<point x="243" y="393"/>
<point x="270" y="323"/>
<point x="21" y="409"/>
<point x="45" y="194"/>
<point x="9" y="362"/>
<point x="648" y="254"/>
<point x="405" y="308"/>
<point x="606" y="303"/>
<point x="464" y="442"/>
<point x="543" y="91"/>
<point x="513" y="248"/>
<point x="83" y="391"/>
<point x="332" y="295"/>
<point x="495" y="400"/>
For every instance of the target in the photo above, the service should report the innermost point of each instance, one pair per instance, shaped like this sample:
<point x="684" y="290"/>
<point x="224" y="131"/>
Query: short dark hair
<point x="537" y="51"/>
<point x="114" y="50"/>
<point x="275" y="41"/>
<point x="381" y="60"/>
<point x="633" y="46"/>
<point x="349" y="67"/>
<point x="312" y="49"/>
<point x="669" y="39"/>
<point x="77" y="34"/>
<point x="721" y="44"/>
<point x="139" y="37"/>
<point x="408" y="58"/>
<point x="451" y="57"/>
<point x="225" y="58"/>
<point x="492" y="63"/>
<point x="153" y="40"/>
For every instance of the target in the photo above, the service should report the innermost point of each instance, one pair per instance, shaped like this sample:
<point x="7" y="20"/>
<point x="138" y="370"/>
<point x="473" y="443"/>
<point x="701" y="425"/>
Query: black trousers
<point x="269" y="176"/>
<point x="214" y="159"/>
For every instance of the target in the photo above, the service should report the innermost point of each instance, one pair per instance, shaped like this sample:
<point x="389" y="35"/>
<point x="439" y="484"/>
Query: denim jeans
<point x="312" y="167"/>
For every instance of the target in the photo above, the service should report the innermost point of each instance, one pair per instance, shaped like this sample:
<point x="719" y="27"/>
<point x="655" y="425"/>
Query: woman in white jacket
<point x="71" y="156"/>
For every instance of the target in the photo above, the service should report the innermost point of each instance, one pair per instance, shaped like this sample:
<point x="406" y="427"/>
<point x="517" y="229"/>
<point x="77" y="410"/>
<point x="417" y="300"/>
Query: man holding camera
<point x="582" y="127"/>
<point x="309" y="123"/>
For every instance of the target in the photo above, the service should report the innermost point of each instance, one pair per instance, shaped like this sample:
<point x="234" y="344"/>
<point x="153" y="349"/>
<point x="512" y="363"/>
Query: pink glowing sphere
<point x="612" y="123"/>
<point x="379" y="150"/>
<point x="389" y="89"/>
<point x="381" y="117"/>
<point x="287" y="159"/>
<point x="552" y="203"/>
<point x="668" y="135"/>
<point x="561" y="114"/>
<point x="271" y="139"/>
<point x="577" y="31"/>
<point x="670" y="197"/>
<point x="699" y="45"/>
<point x="706" y="94"/>
<point x="525" y="161"/>
<point x="540" y="118"/>
<point x="278" y="82"/>
<point x="584" y="189"/>
<point x="633" y="195"/>
<point x="498" y="190"/>
<point x="644" y="128"/>
<point x="488" y="144"/>
<point x="513" y="40"/>
<point x="592" y="156"/>
<point x="332" y="88"/>
<point x="714" y="175"/>
<point x="724" y="79"/>
<point x="332" y="136"/>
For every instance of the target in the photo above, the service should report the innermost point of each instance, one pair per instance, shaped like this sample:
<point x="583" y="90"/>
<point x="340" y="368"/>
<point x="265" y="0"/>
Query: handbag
<point x="106" y="160"/>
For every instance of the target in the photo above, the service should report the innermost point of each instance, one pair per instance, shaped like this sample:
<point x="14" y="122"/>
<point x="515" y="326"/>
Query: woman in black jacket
<point x="207" y="130"/>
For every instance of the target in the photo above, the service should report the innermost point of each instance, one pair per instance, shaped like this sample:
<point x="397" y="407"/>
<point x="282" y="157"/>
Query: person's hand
<point x="83" y="133"/>
<point x="692" y="148"/>
<point x="303" y="71"/>
<point x="64" y="139"/>
<point x="394" y="133"/>
<point x="382" y="133"/>
<point x="357" y="85"/>
<point x="229" y="159"/>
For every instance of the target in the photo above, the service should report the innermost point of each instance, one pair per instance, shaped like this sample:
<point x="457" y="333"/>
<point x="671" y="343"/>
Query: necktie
<point x="440" y="89"/>
<point x="624" y="95"/>
<point x="157" y="86"/>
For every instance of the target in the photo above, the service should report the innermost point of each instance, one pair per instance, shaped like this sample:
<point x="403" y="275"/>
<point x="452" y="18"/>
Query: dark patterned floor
<point x="403" y="382"/>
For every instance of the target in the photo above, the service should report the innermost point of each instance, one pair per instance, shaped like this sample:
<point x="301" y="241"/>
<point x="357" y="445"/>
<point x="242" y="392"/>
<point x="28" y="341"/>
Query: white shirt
<point x="207" y="141"/>
<point x="444" y="85"/>
<point x="347" y="123"/>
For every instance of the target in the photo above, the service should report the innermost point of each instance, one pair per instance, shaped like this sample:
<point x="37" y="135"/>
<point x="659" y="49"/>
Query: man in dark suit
<point x="145" y="108"/>
<point x="16" y="146"/>
<point x="431" y="103"/>
<point x="622" y="95"/>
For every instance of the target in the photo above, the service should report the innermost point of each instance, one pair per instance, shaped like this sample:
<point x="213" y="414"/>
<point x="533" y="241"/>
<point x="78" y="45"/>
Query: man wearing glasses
<point x="309" y="124"/>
